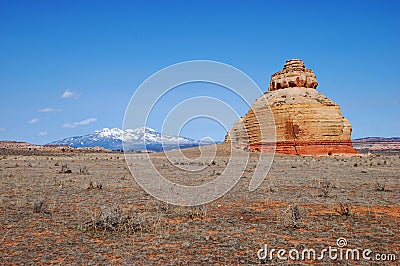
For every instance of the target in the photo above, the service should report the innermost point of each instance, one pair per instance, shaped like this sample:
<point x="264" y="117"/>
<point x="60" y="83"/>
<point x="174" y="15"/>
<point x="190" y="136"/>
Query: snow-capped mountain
<point x="130" y="139"/>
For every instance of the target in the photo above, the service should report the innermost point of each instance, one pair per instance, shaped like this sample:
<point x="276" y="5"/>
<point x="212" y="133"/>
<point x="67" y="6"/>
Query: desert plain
<point x="86" y="209"/>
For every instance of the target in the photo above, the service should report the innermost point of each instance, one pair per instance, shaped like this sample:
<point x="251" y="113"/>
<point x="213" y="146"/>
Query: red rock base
<point x="326" y="147"/>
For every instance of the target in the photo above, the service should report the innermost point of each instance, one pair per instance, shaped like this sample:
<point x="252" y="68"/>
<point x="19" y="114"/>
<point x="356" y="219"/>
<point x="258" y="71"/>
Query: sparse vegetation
<point x="380" y="186"/>
<point x="93" y="185"/>
<point x="83" y="170"/>
<point x="295" y="215"/>
<point x="39" y="207"/>
<point x="121" y="221"/>
<point x="291" y="216"/>
<point x="197" y="212"/>
<point x="106" y="218"/>
<point x="325" y="188"/>
<point x="65" y="169"/>
<point x="343" y="209"/>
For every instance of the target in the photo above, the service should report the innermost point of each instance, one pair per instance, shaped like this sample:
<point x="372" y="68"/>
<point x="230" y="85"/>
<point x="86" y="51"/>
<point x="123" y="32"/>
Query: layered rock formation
<point x="293" y="75"/>
<point x="293" y="118"/>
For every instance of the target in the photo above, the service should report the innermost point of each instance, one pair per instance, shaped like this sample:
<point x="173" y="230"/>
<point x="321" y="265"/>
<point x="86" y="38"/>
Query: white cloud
<point x="42" y="133"/>
<point x="2" y="129"/>
<point x="80" y="123"/>
<point x="48" y="110"/>
<point x="33" y="120"/>
<point x="68" y="94"/>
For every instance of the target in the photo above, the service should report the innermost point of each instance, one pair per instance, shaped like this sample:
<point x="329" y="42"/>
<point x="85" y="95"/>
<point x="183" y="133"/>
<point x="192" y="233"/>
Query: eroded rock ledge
<point x="293" y="75"/>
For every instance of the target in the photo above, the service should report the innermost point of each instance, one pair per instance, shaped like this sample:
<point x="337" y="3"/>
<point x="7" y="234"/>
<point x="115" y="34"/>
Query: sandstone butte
<point x="292" y="117"/>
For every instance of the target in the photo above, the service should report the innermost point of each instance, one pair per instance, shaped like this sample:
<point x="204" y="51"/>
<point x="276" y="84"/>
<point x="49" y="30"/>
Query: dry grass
<point x="103" y="217"/>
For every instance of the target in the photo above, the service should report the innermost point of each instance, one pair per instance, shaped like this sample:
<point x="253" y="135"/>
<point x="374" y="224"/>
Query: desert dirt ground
<point x="85" y="208"/>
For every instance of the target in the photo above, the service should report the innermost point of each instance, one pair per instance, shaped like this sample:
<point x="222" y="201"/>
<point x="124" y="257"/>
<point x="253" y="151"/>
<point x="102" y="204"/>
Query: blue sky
<point x="96" y="53"/>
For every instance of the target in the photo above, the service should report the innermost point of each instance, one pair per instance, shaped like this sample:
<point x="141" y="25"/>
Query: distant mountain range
<point x="134" y="140"/>
<point x="112" y="139"/>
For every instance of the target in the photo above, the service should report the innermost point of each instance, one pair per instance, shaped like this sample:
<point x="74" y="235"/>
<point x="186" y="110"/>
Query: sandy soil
<point x="97" y="214"/>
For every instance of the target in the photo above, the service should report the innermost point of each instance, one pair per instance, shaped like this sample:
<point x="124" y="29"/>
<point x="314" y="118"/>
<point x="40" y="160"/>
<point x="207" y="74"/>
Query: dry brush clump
<point x="185" y="212"/>
<point x="83" y="170"/>
<point x="65" y="170"/>
<point x="291" y="216"/>
<point x="122" y="221"/>
<point x="382" y="187"/>
<point x="93" y="185"/>
<point x="343" y="209"/>
<point x="197" y="212"/>
<point x="325" y="189"/>
<point x="39" y="207"/>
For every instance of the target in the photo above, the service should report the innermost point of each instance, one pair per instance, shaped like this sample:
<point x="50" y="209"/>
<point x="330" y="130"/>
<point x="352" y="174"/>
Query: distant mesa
<point x="378" y="145"/>
<point x="20" y="145"/>
<point x="305" y="121"/>
<point x="25" y="148"/>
